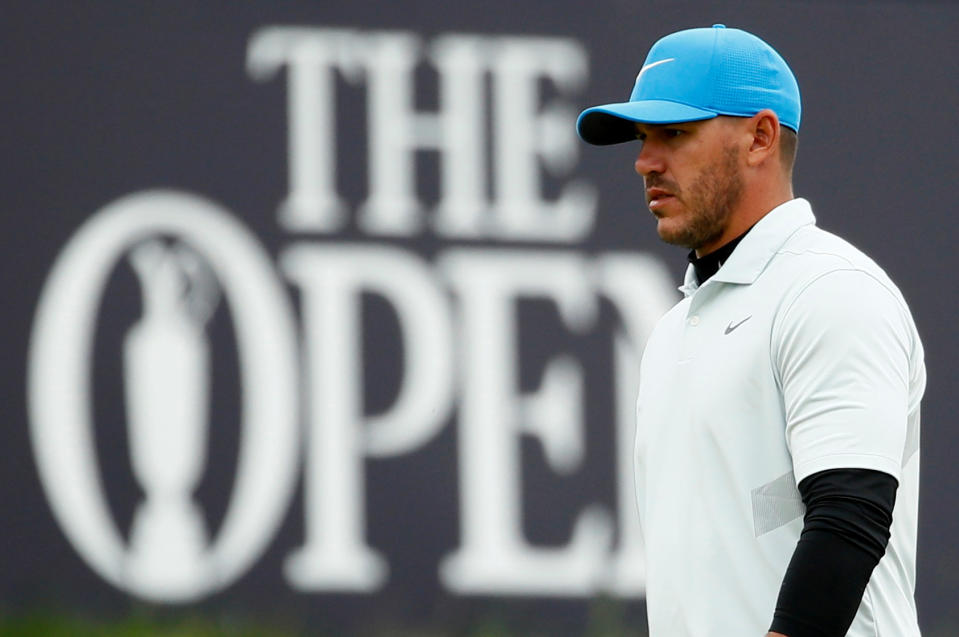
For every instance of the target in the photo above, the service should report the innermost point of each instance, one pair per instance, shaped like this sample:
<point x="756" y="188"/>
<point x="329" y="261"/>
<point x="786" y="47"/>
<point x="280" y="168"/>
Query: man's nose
<point x="648" y="161"/>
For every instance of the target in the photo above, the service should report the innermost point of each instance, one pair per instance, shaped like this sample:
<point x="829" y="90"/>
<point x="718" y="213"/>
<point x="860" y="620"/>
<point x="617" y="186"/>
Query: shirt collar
<point x="708" y="265"/>
<point x="758" y="246"/>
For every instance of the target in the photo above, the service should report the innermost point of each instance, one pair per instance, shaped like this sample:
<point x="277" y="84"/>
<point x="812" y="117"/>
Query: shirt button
<point x="694" y="321"/>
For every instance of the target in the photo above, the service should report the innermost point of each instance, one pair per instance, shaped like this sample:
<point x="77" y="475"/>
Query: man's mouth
<point x="657" y="197"/>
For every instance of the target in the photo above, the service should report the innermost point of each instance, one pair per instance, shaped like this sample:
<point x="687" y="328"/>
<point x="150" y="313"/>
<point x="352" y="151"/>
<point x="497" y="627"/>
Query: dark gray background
<point x="104" y="99"/>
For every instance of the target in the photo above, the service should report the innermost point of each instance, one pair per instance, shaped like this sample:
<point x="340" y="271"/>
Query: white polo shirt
<point x="797" y="356"/>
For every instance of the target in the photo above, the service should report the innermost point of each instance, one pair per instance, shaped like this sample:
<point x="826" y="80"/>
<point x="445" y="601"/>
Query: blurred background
<point x="321" y="321"/>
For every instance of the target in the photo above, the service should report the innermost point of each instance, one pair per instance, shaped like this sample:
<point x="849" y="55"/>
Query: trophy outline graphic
<point x="59" y="395"/>
<point x="167" y="371"/>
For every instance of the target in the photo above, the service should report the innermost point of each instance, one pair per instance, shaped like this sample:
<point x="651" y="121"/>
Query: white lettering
<point x="395" y="131"/>
<point x="494" y="556"/>
<point x="523" y="192"/>
<point x="641" y="290"/>
<point x="524" y="137"/>
<point x="311" y="55"/>
<point x="527" y="137"/>
<point x="462" y="62"/>
<point x="332" y="279"/>
<point x="59" y="396"/>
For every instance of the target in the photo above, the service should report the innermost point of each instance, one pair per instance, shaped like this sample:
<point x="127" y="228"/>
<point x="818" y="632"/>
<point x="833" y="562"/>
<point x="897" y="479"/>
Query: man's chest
<point x="709" y="400"/>
<point x="715" y="352"/>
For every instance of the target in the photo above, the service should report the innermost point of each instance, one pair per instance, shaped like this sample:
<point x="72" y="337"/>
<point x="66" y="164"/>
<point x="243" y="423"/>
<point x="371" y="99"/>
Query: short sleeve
<point x="841" y="350"/>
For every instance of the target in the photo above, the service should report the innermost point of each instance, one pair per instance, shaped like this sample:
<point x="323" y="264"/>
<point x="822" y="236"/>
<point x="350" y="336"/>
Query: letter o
<point x="58" y="385"/>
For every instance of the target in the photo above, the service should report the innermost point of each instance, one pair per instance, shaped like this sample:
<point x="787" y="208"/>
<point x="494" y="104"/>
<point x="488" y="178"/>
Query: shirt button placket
<point x="690" y="338"/>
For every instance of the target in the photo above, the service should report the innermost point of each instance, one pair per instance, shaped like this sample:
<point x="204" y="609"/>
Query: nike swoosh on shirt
<point x="651" y="65"/>
<point x="731" y="327"/>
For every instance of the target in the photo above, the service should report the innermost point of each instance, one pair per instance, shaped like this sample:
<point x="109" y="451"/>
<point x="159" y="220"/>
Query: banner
<point x="328" y="310"/>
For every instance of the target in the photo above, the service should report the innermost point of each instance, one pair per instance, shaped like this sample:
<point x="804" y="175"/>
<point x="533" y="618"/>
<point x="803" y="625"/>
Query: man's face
<point x="693" y="179"/>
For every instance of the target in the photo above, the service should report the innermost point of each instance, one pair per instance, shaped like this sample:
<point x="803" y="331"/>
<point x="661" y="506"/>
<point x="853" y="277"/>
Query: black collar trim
<point x="709" y="264"/>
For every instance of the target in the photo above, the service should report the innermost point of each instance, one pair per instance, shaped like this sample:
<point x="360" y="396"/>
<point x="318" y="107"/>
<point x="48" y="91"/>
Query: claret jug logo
<point x="166" y="369"/>
<point x="502" y="241"/>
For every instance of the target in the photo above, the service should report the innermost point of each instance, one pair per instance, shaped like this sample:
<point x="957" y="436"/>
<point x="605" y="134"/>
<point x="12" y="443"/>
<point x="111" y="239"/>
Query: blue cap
<point x="698" y="74"/>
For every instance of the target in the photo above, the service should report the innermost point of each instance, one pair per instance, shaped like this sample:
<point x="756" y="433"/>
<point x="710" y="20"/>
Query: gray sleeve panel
<point x="776" y="503"/>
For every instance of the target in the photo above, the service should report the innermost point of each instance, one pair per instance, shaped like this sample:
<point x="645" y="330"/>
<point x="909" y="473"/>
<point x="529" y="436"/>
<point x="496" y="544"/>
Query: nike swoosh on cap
<point x="651" y="65"/>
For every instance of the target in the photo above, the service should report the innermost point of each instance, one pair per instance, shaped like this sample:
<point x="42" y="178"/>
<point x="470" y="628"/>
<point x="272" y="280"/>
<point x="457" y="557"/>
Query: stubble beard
<point x="709" y="202"/>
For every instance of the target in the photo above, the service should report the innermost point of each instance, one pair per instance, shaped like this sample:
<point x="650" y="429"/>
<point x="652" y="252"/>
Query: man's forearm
<point x="848" y="515"/>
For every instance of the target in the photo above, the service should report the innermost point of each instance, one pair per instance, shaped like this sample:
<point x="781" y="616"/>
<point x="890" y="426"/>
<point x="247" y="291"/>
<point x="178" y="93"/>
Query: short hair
<point x="788" y="146"/>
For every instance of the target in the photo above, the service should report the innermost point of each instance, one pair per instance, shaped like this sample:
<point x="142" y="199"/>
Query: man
<point x="776" y="454"/>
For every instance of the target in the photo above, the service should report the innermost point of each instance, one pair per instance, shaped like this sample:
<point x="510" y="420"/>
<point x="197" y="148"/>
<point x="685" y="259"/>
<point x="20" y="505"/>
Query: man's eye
<point x="673" y="132"/>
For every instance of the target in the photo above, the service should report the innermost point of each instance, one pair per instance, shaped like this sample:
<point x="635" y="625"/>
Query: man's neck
<point x="707" y="265"/>
<point x="749" y="211"/>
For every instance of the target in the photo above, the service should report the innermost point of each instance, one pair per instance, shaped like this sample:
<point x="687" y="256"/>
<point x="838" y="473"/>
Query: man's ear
<point x="763" y="129"/>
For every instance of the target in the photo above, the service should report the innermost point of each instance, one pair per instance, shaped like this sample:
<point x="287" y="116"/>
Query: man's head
<point x="717" y="111"/>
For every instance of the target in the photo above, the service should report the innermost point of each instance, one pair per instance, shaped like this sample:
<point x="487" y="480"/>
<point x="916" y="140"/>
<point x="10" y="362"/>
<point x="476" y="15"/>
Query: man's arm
<point x="842" y="354"/>
<point x="845" y="532"/>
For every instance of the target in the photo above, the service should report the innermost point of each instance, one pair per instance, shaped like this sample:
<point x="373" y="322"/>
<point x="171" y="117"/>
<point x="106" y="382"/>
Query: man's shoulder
<point x="815" y="267"/>
<point x="818" y="247"/>
<point x="812" y="252"/>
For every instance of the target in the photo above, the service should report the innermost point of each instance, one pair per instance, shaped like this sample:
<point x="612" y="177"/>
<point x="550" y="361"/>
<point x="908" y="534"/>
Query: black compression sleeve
<point x="845" y="532"/>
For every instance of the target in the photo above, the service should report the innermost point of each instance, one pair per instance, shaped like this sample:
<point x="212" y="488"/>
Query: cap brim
<point x="613" y="123"/>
